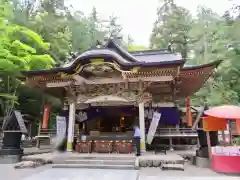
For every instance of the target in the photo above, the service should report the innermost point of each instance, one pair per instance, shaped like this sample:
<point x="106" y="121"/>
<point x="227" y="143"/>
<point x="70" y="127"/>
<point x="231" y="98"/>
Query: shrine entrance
<point x="106" y="125"/>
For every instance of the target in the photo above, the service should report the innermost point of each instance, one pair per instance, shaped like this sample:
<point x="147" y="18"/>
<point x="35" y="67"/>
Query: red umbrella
<point x="225" y="112"/>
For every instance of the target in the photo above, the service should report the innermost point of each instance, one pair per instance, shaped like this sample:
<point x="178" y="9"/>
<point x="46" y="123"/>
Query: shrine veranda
<point x="112" y="78"/>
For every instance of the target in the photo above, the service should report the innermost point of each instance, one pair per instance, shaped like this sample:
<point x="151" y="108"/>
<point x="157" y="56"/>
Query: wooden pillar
<point x="238" y="126"/>
<point x="230" y="131"/>
<point x="39" y="132"/>
<point x="171" y="144"/>
<point x="142" y="126"/>
<point x="71" y="125"/>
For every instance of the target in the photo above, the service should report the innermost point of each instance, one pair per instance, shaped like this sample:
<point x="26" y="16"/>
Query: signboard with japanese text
<point x="153" y="126"/>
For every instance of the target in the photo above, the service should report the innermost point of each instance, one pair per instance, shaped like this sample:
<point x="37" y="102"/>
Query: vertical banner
<point x="188" y="113"/>
<point x="153" y="127"/>
<point x="61" y="126"/>
<point x="46" y="113"/>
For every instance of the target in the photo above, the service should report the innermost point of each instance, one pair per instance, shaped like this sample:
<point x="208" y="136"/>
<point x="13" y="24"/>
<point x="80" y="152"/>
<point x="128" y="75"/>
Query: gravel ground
<point x="46" y="173"/>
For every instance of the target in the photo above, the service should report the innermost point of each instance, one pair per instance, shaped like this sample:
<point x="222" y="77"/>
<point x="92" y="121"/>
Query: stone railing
<point x="47" y="132"/>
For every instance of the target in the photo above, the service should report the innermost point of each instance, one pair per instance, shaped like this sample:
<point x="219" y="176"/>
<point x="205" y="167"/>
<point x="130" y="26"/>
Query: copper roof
<point x="192" y="78"/>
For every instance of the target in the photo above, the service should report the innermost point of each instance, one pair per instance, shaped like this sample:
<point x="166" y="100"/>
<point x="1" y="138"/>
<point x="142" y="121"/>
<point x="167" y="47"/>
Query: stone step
<point x="94" y="166"/>
<point x="100" y="161"/>
<point x="173" y="167"/>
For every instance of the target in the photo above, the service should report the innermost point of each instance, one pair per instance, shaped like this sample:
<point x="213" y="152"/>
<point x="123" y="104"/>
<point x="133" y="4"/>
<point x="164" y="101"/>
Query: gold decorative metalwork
<point x="97" y="61"/>
<point x="135" y="69"/>
<point x="145" y="97"/>
<point x="157" y="72"/>
<point x="78" y="69"/>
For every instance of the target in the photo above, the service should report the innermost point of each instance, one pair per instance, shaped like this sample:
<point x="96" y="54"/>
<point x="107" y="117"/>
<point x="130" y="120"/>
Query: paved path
<point x="85" y="174"/>
<point x="191" y="173"/>
<point x="187" y="178"/>
<point x="47" y="173"/>
<point x="7" y="171"/>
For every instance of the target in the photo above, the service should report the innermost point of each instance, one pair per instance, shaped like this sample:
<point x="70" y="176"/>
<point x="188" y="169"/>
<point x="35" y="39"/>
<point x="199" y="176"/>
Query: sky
<point x="137" y="16"/>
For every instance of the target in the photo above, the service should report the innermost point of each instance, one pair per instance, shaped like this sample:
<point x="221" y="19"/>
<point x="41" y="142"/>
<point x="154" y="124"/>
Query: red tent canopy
<point x="227" y="112"/>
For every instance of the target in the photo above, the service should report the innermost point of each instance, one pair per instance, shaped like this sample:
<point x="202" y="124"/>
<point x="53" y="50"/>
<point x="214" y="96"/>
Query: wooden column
<point x="71" y="125"/>
<point x="142" y="126"/>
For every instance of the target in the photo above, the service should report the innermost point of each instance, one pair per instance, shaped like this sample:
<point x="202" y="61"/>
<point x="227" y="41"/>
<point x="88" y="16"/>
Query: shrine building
<point x="108" y="89"/>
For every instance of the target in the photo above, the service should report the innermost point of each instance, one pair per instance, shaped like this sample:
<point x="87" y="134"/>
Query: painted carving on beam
<point x="127" y="97"/>
<point x="108" y="89"/>
<point x="145" y="97"/>
<point x="99" y="68"/>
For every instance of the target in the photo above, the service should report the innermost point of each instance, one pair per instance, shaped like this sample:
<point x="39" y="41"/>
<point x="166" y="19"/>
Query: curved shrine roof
<point x="190" y="78"/>
<point x="116" y="54"/>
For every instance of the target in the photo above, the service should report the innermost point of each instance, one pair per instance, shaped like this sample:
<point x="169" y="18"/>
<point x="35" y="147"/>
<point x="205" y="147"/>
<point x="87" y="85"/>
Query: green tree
<point x="18" y="52"/>
<point x="137" y="48"/>
<point x="172" y="28"/>
<point x="95" y="27"/>
<point x="113" y="28"/>
<point x="216" y="37"/>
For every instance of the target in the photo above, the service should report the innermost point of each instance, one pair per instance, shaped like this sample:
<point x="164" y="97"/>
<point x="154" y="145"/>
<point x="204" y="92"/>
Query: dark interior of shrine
<point x="110" y="119"/>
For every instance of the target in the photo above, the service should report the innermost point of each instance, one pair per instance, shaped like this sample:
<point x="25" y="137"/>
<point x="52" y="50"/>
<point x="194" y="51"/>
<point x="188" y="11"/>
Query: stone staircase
<point x="99" y="162"/>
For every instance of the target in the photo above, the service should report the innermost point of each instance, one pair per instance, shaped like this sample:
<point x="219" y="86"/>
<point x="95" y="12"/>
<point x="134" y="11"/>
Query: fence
<point x="176" y="132"/>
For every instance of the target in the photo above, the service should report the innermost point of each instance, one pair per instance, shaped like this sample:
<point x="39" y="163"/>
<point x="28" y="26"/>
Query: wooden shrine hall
<point x="111" y="77"/>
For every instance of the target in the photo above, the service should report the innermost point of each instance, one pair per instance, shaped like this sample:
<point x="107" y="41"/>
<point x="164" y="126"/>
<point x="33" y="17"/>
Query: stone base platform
<point x="10" y="159"/>
<point x="157" y="160"/>
<point x="202" y="162"/>
<point x="147" y="159"/>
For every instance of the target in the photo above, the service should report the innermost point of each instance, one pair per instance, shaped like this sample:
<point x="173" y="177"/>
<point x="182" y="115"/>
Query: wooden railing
<point x="47" y="132"/>
<point x="180" y="132"/>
